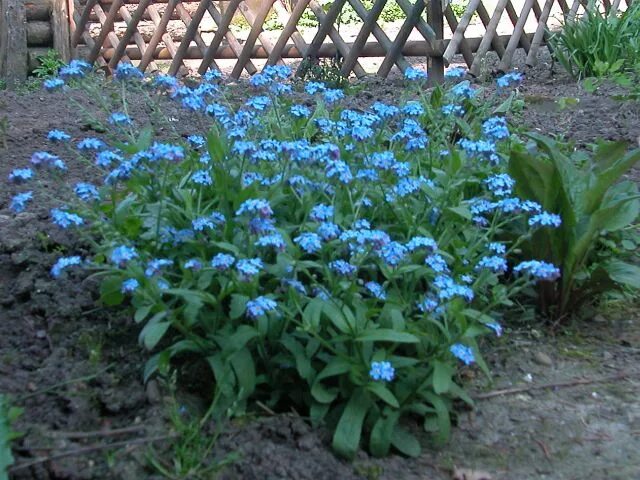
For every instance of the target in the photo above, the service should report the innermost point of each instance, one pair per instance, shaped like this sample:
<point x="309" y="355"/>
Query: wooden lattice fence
<point x="202" y="34"/>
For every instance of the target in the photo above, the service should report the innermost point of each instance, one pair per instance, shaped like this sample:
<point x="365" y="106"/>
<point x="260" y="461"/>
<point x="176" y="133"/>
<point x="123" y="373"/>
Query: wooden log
<point x="489" y="35"/>
<point x="38" y="10"/>
<point x="81" y="21"/>
<point x="13" y="41"/>
<point x="458" y="34"/>
<point x="361" y="39"/>
<point x="60" y="25"/>
<point x="532" y="57"/>
<point x="192" y="30"/>
<point x="128" y="34"/>
<point x="290" y="29"/>
<point x="39" y="34"/>
<point x="514" y="41"/>
<point x="159" y="34"/>
<point x="327" y="50"/>
<point x="256" y="29"/>
<point x="435" y="63"/>
<point x="401" y="39"/>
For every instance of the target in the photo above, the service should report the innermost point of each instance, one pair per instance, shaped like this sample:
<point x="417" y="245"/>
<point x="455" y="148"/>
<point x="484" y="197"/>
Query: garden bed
<point x="75" y="367"/>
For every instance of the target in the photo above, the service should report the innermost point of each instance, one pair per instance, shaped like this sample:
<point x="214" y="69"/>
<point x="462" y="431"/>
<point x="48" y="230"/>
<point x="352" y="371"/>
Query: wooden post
<point x="435" y="64"/>
<point x="61" y="31"/>
<point x="13" y="41"/>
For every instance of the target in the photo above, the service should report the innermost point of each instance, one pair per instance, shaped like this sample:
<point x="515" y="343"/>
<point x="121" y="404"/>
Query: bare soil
<point x="76" y="367"/>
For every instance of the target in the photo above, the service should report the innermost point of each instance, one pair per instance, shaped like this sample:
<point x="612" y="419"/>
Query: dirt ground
<point x="76" y="368"/>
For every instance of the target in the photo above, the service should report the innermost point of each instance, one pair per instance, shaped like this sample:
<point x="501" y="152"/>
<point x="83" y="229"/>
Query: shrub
<point x="596" y="206"/>
<point x="341" y="261"/>
<point x="598" y="44"/>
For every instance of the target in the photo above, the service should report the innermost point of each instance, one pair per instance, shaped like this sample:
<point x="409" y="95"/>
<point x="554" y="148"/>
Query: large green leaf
<point x="245" y="371"/>
<point x="623" y="273"/>
<point x="382" y="392"/>
<point x="346" y="438"/>
<point x="405" y="442"/>
<point x="380" y="437"/>
<point x="152" y="333"/>
<point x="337" y="366"/>
<point x="442" y="373"/>
<point x="386" y="335"/>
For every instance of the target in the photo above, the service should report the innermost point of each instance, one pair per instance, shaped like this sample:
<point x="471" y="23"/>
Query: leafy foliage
<point x="49" y="64"/>
<point x="340" y="261"/>
<point x="598" y="44"/>
<point x="8" y="415"/>
<point x="596" y="206"/>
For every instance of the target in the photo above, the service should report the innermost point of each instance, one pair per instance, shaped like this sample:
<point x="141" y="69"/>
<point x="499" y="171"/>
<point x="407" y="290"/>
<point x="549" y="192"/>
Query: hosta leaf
<point x="624" y="273"/>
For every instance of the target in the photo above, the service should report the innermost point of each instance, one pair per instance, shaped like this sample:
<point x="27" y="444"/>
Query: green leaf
<point x="386" y="335"/>
<point x="142" y="313"/>
<point x="238" y="306"/>
<point x="110" y="291"/>
<point x="623" y="273"/>
<point x="7" y="415"/>
<point x="336" y="367"/>
<point x="152" y="333"/>
<point x="245" y="371"/>
<point x="346" y="438"/>
<point x="383" y="393"/>
<point x="443" y="418"/>
<point x="461" y="211"/>
<point x="442" y="373"/>
<point x="380" y="438"/>
<point x="405" y="442"/>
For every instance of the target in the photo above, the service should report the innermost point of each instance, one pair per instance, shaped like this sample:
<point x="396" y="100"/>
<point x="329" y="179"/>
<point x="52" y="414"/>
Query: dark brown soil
<point x="76" y="367"/>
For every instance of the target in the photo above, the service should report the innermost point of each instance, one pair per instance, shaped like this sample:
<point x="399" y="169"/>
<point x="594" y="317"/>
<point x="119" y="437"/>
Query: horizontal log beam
<point x="328" y="50"/>
<point x="38" y="10"/>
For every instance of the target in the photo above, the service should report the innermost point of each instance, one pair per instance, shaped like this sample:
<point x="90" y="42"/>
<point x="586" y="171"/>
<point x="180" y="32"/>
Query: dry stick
<point x="497" y="44"/>
<point x="250" y="17"/>
<point x="184" y="16"/>
<point x="66" y="382"/>
<point x="84" y="34"/>
<point x="395" y="52"/>
<point x="97" y="433"/>
<point x="81" y="22"/>
<point x="137" y="37"/>
<point x="570" y="383"/>
<point x="465" y="49"/>
<point x="289" y="31"/>
<point x="532" y="57"/>
<point x="90" y="449"/>
<point x="513" y="16"/>
<point x="254" y="34"/>
<point x="325" y="24"/>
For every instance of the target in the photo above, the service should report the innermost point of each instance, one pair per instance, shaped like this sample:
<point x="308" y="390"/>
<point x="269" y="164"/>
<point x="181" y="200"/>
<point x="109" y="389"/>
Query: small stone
<point x="599" y="319"/>
<point x="606" y="356"/>
<point x="41" y="334"/>
<point x="153" y="392"/>
<point x="542" y="358"/>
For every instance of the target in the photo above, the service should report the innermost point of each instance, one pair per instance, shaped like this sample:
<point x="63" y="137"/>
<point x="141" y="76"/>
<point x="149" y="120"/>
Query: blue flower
<point x="328" y="231"/>
<point x="193" y="264"/>
<point x="64" y="262"/>
<point x="501" y="184"/>
<point x="428" y="304"/>
<point x="421" y="242"/>
<point x="309" y="242"/>
<point x="321" y="213"/>
<point x="20" y="175"/>
<point x="126" y="71"/>
<point x="508" y="79"/>
<point x="165" y="83"/>
<point x="46" y="159"/>
<point x="413" y="108"/>
<point x="314" y="87"/>
<point x="65" y="219"/>
<point x="123" y="254"/>
<point x="414" y="74"/>
<point x="130" y="285"/>
<point x="452" y="109"/>
<point x="493" y="263"/>
<point x="260" y="306"/>
<point x="202" y="177"/>
<point x="300" y="111"/>
<point x="333" y="95"/>
<point x="162" y="284"/>
<point x="495" y="128"/>
<point x="273" y="240"/>
<point x="539" y="270"/>
<point x="496" y="327"/>
<point x="545" y="219"/>
<point x="463" y="353"/>
<point x="249" y="268"/>
<point x="448" y="289"/>
<point x="212" y="75"/>
<point x="91" y="144"/>
<point x="382" y="371"/>
<point x="497" y="248"/>
<point x="58" y="136"/>
<point x="393" y="253"/>
<point x="19" y="201"/>
<point x="259" y="103"/>
<point x="223" y="261"/>
<point x="119" y="118"/>
<point x="376" y="290"/>
<point x="343" y="268"/>
<point x="75" y="69"/>
<point x="154" y="267"/>
<point x="257" y="206"/>
<point x="463" y="90"/>
<point x="165" y="151"/>
<point x="455" y="72"/>
<point x="53" y="84"/>
<point x="105" y="158"/>
<point x="437" y="263"/>
<point x="338" y="168"/>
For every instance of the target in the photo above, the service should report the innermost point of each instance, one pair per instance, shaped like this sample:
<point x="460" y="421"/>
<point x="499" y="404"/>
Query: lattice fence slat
<point x="182" y="31"/>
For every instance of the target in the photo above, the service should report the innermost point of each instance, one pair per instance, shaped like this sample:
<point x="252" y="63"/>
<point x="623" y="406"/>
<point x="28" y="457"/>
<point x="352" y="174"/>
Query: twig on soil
<point x="86" y="378"/>
<point x="265" y="408"/>
<point x="570" y="383"/>
<point x="90" y="449"/>
<point x="97" y="433"/>
<point x="544" y="448"/>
